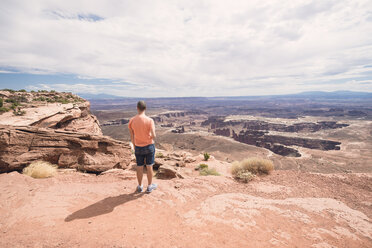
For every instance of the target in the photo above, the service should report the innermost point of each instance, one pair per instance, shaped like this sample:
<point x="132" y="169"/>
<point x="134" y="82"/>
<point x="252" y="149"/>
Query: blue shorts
<point x="145" y="155"/>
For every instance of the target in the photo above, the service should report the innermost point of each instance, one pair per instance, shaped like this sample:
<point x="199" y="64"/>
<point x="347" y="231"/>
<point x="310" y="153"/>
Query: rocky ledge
<point x="21" y="145"/>
<point x="56" y="110"/>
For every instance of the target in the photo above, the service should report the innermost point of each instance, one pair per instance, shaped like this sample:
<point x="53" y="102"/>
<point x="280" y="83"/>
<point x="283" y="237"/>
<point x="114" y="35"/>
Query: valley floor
<point x="284" y="209"/>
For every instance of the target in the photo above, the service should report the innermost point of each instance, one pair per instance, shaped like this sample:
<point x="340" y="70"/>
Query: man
<point x="142" y="135"/>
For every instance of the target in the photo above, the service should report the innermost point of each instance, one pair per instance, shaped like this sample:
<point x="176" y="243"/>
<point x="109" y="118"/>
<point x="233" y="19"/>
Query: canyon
<point x="319" y="194"/>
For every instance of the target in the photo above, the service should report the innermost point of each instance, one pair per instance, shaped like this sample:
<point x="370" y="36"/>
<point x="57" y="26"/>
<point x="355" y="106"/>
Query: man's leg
<point x="139" y="175"/>
<point x="150" y="174"/>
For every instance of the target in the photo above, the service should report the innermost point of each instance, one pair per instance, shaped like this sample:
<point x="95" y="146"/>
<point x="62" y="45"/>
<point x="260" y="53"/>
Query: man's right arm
<point x="131" y="132"/>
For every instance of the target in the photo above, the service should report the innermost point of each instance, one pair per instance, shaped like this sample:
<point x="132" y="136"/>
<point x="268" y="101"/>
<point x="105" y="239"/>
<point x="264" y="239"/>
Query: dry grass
<point x="207" y="172"/>
<point x="246" y="169"/>
<point x="244" y="176"/>
<point x="159" y="155"/>
<point x="40" y="169"/>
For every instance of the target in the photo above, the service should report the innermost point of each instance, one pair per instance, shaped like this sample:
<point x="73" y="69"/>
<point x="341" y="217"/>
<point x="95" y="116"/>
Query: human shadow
<point x="104" y="206"/>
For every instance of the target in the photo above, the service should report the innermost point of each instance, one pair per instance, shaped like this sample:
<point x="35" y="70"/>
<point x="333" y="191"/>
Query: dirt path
<point x="285" y="209"/>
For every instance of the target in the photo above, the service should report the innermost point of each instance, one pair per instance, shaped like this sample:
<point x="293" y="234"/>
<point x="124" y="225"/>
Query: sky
<point x="151" y="48"/>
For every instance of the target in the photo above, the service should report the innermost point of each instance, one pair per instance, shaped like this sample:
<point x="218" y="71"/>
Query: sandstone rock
<point x="189" y="160"/>
<point x="69" y="117"/>
<point x="4" y="93"/>
<point x="158" y="162"/>
<point x="123" y="174"/>
<point x="168" y="172"/>
<point x="19" y="146"/>
<point x="76" y="118"/>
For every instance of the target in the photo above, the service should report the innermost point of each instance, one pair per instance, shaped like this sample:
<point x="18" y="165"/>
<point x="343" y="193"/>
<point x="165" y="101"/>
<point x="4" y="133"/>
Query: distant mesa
<point x="256" y="132"/>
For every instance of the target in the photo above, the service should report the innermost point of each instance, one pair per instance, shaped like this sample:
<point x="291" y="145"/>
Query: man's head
<point x="141" y="106"/>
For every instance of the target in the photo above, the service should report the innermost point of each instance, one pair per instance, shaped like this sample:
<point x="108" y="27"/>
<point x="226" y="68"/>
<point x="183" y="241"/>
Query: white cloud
<point x="177" y="48"/>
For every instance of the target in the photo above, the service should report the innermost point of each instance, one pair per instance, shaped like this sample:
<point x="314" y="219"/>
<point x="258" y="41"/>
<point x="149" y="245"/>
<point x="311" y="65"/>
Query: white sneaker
<point x="151" y="187"/>
<point x="139" y="189"/>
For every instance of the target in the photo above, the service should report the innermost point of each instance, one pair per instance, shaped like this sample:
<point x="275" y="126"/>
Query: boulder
<point x="20" y="145"/>
<point x="168" y="172"/>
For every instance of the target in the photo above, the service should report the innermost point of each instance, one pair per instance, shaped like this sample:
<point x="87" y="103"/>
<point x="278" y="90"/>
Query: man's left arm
<point x="153" y="134"/>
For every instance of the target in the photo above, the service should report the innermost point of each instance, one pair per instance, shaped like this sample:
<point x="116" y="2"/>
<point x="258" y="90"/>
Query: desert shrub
<point x="207" y="172"/>
<point x="63" y="101"/>
<point x="159" y="155"/>
<point x="206" y="156"/>
<point x="40" y="169"/>
<point x="12" y="100"/>
<point x="14" y="105"/>
<point x="244" y="176"/>
<point x="1" y="102"/>
<point x="19" y="112"/>
<point x="3" y="109"/>
<point x="22" y="90"/>
<point x="253" y="166"/>
<point x="41" y="99"/>
<point x="9" y="90"/>
<point x="201" y="167"/>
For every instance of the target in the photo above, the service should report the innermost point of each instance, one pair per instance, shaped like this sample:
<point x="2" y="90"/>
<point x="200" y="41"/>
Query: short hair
<point x="141" y="105"/>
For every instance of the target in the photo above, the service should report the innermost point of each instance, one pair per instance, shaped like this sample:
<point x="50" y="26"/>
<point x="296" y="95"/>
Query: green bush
<point x="206" y="156"/>
<point x="10" y="90"/>
<point x="41" y="99"/>
<point x="3" y="109"/>
<point x="63" y="101"/>
<point x="22" y="90"/>
<point x="11" y="100"/>
<point x="14" y="105"/>
<point x="1" y="102"/>
<point x="202" y="166"/>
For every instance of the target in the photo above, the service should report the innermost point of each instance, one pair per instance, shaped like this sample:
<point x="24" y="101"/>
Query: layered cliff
<point x="62" y="111"/>
<point x="58" y="128"/>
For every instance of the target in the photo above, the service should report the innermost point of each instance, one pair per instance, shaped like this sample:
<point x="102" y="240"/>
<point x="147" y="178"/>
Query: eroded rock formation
<point x="174" y="114"/>
<point x="19" y="146"/>
<point x="77" y="119"/>
<point x="219" y="122"/>
<point x="56" y="110"/>
<point x="115" y="122"/>
<point x="256" y="132"/>
<point x="278" y="144"/>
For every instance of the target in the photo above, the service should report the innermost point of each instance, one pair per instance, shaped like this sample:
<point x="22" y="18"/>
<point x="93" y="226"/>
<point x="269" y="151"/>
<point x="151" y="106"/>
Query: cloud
<point x="178" y="48"/>
<point x="77" y="16"/>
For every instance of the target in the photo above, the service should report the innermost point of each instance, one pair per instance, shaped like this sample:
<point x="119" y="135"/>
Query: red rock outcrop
<point x="57" y="110"/>
<point x="19" y="146"/>
<point x="76" y="119"/>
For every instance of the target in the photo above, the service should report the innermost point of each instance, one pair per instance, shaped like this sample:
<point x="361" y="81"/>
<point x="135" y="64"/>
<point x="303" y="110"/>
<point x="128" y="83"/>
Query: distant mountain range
<point x="306" y="94"/>
<point x="98" y="96"/>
